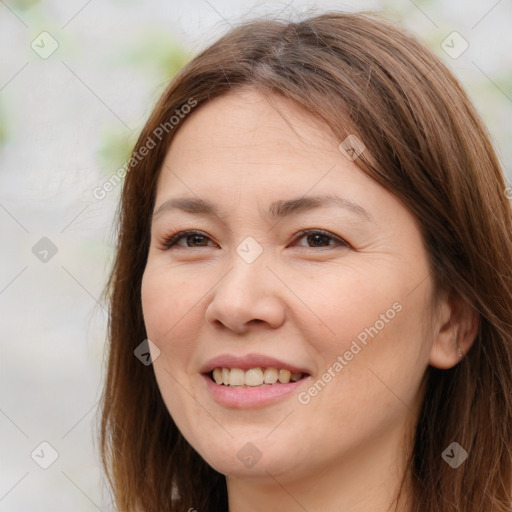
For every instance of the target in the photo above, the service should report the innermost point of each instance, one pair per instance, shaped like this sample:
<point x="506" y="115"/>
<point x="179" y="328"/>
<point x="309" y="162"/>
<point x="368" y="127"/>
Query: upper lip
<point x="250" y="361"/>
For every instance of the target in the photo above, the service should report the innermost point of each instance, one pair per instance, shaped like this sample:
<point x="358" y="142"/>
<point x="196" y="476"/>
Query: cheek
<point x="166" y="312"/>
<point x="348" y="303"/>
<point x="172" y="316"/>
<point x="367" y="332"/>
<point x="164" y="301"/>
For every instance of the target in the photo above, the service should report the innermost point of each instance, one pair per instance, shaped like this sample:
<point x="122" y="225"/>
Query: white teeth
<point x="237" y="377"/>
<point x="217" y="376"/>
<point x="270" y="375"/>
<point x="254" y="376"/>
<point x="284" y="376"/>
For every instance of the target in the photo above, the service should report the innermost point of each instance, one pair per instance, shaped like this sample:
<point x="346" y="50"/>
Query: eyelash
<point x="171" y="240"/>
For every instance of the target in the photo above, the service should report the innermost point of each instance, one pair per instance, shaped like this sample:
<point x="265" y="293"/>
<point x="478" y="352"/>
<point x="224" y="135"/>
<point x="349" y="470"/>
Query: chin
<point x="246" y="459"/>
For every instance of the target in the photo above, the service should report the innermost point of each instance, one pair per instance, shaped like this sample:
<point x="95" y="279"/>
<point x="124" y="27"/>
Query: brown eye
<point x="319" y="237"/>
<point x="191" y="238"/>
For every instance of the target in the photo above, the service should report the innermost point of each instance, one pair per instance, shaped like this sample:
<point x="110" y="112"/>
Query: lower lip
<point x="250" y="397"/>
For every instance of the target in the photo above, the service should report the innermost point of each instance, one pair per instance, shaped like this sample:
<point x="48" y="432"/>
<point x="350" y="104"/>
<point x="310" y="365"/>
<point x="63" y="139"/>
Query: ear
<point x="457" y="321"/>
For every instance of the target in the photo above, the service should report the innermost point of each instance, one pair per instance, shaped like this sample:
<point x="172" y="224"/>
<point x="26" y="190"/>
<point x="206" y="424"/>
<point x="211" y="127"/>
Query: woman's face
<point x="347" y="308"/>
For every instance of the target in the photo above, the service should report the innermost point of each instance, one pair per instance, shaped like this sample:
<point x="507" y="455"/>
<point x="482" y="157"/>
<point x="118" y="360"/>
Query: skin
<point x="302" y="300"/>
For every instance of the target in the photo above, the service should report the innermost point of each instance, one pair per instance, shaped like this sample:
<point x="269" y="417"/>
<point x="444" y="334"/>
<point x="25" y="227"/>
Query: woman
<point x="314" y="253"/>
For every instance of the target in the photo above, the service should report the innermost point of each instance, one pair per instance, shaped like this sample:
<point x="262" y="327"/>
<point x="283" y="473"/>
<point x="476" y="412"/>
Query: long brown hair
<point x="360" y="74"/>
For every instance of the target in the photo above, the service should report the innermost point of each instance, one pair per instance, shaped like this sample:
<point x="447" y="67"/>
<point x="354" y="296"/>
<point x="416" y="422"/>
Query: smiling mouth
<point x="254" y="377"/>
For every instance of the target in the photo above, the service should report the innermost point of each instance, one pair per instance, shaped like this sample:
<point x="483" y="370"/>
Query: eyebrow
<point x="278" y="209"/>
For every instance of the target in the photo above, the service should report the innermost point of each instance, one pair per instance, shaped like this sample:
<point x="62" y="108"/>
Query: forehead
<point x="246" y="137"/>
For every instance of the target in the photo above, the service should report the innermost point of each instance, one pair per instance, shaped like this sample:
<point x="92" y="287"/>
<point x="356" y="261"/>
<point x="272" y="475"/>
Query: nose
<point x="248" y="294"/>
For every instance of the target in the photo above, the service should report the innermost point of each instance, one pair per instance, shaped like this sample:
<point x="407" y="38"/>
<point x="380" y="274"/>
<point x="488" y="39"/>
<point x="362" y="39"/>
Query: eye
<point x="318" y="236"/>
<point x="185" y="235"/>
<point x="198" y="239"/>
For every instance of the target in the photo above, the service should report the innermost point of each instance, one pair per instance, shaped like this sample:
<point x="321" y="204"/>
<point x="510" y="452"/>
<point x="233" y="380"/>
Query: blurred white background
<point x="77" y="81"/>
